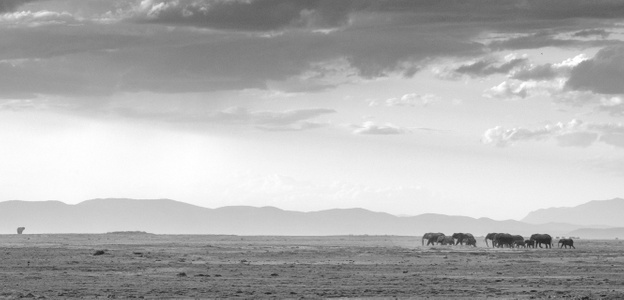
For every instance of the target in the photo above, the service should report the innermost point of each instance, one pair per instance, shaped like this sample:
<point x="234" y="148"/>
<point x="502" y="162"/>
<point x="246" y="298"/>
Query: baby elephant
<point x="519" y="244"/>
<point x="529" y="243"/>
<point x="566" y="243"/>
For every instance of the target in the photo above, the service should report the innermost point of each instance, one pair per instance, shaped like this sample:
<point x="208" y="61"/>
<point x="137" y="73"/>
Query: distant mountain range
<point x="605" y="213"/>
<point x="165" y="216"/>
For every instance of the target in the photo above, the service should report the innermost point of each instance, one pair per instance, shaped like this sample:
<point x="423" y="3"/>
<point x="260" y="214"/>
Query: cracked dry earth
<point x="63" y="266"/>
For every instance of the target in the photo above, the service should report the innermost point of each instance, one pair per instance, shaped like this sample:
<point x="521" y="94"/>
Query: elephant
<point x="503" y="239"/>
<point x="446" y="240"/>
<point x="20" y="230"/>
<point x="540" y="239"/>
<point x="566" y="243"/>
<point x="490" y="236"/>
<point x="518" y="241"/>
<point x="431" y="238"/>
<point x="461" y="237"/>
<point x="529" y="243"/>
<point x="471" y="241"/>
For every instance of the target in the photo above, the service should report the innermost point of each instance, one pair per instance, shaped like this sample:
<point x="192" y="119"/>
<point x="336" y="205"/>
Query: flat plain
<point x="138" y="265"/>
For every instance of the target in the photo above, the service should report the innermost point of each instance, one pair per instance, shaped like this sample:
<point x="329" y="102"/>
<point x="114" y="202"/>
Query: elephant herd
<point x="455" y="239"/>
<point x="498" y="240"/>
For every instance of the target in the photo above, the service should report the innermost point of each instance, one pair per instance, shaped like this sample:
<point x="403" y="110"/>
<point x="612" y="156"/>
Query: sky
<point x="490" y="108"/>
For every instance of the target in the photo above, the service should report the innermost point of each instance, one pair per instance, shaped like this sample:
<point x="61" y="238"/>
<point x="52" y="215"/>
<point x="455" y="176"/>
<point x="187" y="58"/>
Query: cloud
<point x="530" y="80"/>
<point x="272" y="121"/>
<point x="124" y="59"/>
<point x="547" y="71"/>
<point x="486" y="67"/>
<point x="572" y="134"/>
<point x="514" y="67"/>
<point x="576" y="139"/>
<point x="208" y="46"/>
<point x="613" y="105"/>
<point x="615" y="139"/>
<point x="38" y="18"/>
<point x="540" y="72"/>
<point x="318" y="77"/>
<point x="545" y="39"/>
<point x="383" y="47"/>
<point x="592" y="32"/>
<point x="604" y="73"/>
<point x="553" y="80"/>
<point x="274" y="14"/>
<point x="255" y="15"/>
<point x="289" y="120"/>
<point x="502" y="137"/>
<point x="576" y="81"/>
<point x="370" y="127"/>
<point x="512" y="89"/>
<point x="411" y="100"/>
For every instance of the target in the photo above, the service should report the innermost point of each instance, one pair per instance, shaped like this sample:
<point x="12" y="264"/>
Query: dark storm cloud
<point x="190" y="63"/>
<point x="250" y="43"/>
<point x="258" y="15"/>
<point x="604" y="73"/>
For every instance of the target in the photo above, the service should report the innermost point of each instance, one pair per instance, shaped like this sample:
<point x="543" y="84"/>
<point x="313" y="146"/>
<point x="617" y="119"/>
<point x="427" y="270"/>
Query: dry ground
<point x="209" y="266"/>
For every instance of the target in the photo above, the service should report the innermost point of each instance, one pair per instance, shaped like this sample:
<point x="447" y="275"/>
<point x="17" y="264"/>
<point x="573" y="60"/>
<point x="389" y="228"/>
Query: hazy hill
<point x="607" y="213"/>
<point x="599" y="233"/>
<point x="171" y="217"/>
